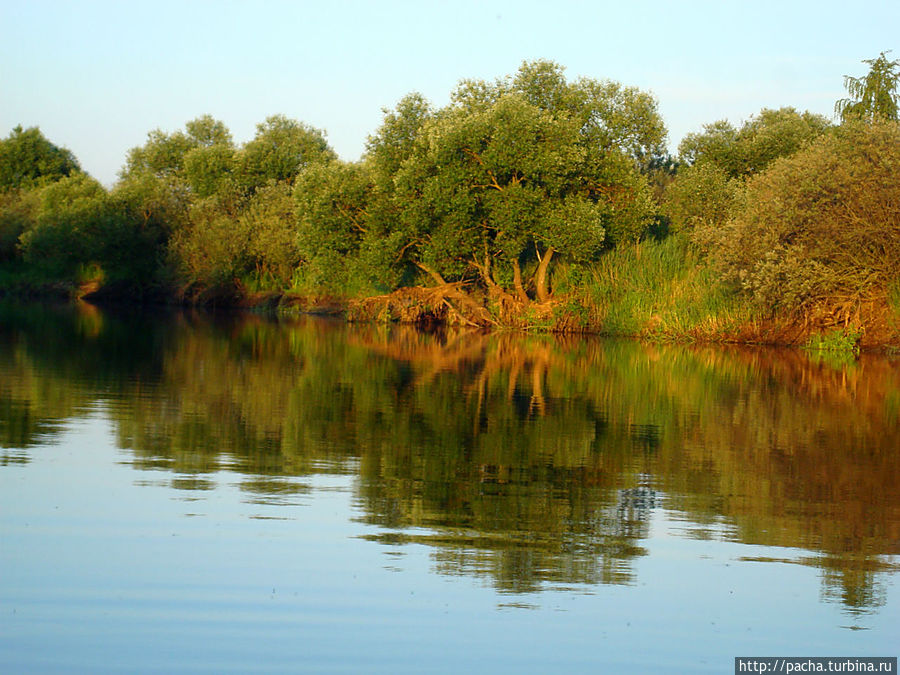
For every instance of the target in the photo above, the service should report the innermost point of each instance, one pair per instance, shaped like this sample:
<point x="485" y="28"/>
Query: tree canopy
<point x="27" y="159"/>
<point x="513" y="172"/>
<point x="873" y="96"/>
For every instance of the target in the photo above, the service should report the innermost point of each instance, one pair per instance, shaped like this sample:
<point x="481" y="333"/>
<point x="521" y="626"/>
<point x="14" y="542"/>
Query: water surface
<point x="185" y="492"/>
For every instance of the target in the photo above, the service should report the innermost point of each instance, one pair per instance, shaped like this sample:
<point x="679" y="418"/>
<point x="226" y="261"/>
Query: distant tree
<point x="207" y="131"/>
<point x="394" y="141"/>
<point x="27" y="159"/>
<point x="162" y="155"/>
<point x="874" y="96"/>
<point x="717" y="161"/>
<point x="714" y="144"/>
<point x="281" y="149"/>
<point x="760" y="140"/>
<point x="700" y="200"/>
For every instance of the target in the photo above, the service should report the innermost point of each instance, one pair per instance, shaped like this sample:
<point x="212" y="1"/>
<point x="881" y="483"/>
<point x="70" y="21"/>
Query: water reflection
<point x="532" y="462"/>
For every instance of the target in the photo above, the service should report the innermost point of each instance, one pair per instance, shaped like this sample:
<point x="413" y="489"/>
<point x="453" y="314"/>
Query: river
<point x="186" y="492"/>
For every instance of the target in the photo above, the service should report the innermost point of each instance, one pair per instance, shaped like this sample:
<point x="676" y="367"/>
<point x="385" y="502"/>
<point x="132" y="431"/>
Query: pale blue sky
<point x="96" y="77"/>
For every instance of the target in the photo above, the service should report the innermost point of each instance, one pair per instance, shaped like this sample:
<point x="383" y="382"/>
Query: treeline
<point x="504" y="204"/>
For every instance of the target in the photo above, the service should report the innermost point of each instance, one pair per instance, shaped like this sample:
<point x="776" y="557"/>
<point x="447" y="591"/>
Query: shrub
<point x="821" y="229"/>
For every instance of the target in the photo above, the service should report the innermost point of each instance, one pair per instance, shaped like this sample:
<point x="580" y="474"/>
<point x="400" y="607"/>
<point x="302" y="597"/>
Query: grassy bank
<point x="664" y="290"/>
<point x="657" y="290"/>
<point x="661" y="289"/>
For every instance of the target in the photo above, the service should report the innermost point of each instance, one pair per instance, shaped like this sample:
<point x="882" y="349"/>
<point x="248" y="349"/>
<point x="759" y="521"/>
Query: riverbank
<point x="655" y="290"/>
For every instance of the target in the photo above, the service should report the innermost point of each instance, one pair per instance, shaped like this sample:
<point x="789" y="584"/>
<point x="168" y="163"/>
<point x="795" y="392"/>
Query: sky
<point x="97" y="77"/>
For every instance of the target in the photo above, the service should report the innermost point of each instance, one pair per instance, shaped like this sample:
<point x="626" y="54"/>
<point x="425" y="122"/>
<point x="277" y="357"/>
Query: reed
<point x="663" y="290"/>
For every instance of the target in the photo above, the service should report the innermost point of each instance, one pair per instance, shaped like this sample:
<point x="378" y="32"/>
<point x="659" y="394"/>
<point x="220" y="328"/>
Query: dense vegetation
<point x="528" y="201"/>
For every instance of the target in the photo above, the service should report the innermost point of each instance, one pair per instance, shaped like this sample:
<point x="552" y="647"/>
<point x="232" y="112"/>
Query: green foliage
<point x="662" y="289"/>
<point x="820" y="226"/>
<point x="17" y="209"/>
<point x="70" y="216"/>
<point x="874" y="96"/>
<point x="269" y="223"/>
<point x="205" y="132"/>
<point x="715" y="144"/>
<point x="28" y="159"/>
<point x="610" y="115"/>
<point x="213" y="248"/>
<point x="836" y="340"/>
<point x="199" y="155"/>
<point x="161" y="156"/>
<point x="344" y="238"/>
<point x="281" y="149"/>
<point x="395" y="139"/>
<point x="700" y="200"/>
<point x="761" y="140"/>
<point x="210" y="169"/>
<point x="706" y="192"/>
<point x="75" y="222"/>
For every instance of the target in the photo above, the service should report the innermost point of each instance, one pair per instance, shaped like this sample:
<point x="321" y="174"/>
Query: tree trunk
<point x="541" y="280"/>
<point x="517" y="281"/>
<point x="432" y="273"/>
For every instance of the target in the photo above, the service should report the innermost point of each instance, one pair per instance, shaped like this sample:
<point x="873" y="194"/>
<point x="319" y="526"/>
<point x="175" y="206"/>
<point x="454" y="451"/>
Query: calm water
<point x="181" y="492"/>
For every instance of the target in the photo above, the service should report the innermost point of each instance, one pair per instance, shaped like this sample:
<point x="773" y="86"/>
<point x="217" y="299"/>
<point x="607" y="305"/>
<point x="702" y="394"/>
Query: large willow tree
<point x="511" y="176"/>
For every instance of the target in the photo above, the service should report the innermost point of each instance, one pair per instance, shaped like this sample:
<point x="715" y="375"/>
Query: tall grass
<point x="663" y="289"/>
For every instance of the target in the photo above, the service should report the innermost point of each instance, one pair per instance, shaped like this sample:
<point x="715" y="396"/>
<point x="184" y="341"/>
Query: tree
<point x="718" y="160"/>
<point x="874" y="96"/>
<point x="611" y="115"/>
<point x="165" y="154"/>
<point x="395" y="139"/>
<point x="499" y="184"/>
<point x="68" y="220"/>
<point x="27" y="159"/>
<point x="206" y="131"/>
<point x="162" y="155"/>
<point x="17" y="209"/>
<point x="761" y="139"/>
<point x="209" y="169"/>
<point x="340" y="242"/>
<point x="281" y="149"/>
<point x="269" y="222"/>
<point x="511" y="174"/>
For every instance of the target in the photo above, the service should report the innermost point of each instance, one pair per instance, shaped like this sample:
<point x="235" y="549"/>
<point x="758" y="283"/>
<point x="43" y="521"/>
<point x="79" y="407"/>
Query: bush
<point x="821" y="229"/>
<point x="17" y="213"/>
<point x="700" y="201"/>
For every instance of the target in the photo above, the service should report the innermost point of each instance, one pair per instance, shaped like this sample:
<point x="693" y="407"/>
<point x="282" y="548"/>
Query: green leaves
<point x="760" y="140"/>
<point x="281" y="149"/>
<point x="874" y="96"/>
<point x="821" y="227"/>
<point x="28" y="159"/>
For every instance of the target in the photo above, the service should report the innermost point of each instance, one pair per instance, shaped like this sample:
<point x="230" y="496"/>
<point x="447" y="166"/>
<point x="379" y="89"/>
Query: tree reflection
<point x="530" y="461"/>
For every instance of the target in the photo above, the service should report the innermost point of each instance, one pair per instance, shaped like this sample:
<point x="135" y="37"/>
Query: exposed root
<point x="447" y="304"/>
